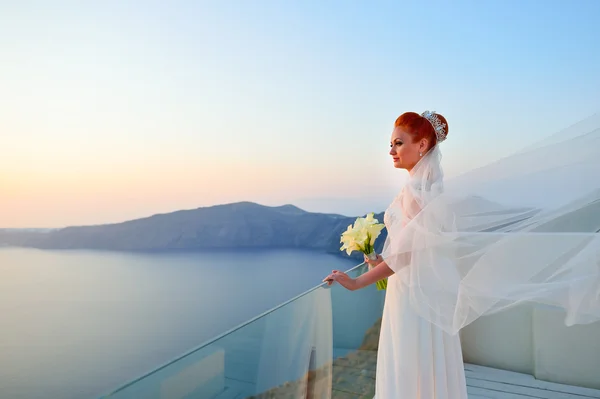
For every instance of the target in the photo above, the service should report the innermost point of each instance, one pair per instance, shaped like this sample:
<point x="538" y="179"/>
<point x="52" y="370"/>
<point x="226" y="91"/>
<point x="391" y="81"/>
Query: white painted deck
<point x="489" y="383"/>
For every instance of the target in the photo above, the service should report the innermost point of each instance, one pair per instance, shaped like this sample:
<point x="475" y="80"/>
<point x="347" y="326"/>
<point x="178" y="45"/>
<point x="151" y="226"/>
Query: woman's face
<point x="404" y="152"/>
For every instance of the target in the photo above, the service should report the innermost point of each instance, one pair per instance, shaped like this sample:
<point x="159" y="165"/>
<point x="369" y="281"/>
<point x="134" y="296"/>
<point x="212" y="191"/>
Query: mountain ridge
<point x="225" y="226"/>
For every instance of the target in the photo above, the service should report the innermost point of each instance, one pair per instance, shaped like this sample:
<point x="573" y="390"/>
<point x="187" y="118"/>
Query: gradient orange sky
<point x="55" y="196"/>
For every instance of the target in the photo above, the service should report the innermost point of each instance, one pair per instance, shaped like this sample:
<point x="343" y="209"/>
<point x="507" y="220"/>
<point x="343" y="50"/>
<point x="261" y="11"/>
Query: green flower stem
<point x="381" y="284"/>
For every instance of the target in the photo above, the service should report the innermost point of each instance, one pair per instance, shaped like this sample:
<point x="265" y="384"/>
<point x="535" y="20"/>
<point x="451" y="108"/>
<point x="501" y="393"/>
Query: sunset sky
<point x="112" y="111"/>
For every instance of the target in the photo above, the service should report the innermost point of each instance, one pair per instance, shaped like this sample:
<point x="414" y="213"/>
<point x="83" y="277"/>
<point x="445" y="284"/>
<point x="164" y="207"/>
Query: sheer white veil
<point x="524" y="228"/>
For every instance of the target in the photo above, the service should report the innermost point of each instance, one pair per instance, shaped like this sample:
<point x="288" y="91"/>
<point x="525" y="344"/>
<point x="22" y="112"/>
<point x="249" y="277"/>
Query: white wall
<point x="501" y="341"/>
<point x="569" y="355"/>
<point x="535" y="340"/>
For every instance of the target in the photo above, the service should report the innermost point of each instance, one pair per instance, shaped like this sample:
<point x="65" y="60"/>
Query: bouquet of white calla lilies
<point x="361" y="237"/>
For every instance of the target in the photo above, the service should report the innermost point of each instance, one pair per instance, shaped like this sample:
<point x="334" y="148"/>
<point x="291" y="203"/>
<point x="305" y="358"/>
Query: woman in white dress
<point x="416" y="359"/>
<point x="455" y="254"/>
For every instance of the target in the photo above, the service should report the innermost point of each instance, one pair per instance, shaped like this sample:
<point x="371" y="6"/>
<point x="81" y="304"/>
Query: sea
<point x="79" y="323"/>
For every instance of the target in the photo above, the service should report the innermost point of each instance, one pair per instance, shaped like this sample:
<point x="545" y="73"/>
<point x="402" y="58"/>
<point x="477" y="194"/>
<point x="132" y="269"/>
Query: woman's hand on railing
<point x="342" y="278"/>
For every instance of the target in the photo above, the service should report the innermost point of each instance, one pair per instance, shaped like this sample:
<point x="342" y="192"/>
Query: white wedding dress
<point x="415" y="359"/>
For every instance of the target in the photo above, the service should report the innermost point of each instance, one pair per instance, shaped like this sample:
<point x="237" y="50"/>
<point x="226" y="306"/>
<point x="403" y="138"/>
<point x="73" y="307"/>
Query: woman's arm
<point x="379" y="272"/>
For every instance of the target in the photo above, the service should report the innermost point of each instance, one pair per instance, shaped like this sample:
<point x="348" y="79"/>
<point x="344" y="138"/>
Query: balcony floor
<point x="485" y="382"/>
<point x="354" y="377"/>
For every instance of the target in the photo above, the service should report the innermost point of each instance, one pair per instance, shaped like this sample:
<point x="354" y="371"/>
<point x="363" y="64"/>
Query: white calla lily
<point x="361" y="237"/>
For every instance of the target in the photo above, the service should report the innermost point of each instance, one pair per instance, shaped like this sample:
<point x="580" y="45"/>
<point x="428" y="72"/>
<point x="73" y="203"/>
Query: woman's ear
<point x="423" y="145"/>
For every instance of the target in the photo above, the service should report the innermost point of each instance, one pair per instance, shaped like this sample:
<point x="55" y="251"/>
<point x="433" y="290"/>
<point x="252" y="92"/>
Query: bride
<point x="524" y="228"/>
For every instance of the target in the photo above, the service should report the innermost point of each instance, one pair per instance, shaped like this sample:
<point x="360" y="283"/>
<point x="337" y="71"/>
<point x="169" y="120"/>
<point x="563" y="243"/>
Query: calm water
<point x="76" y="324"/>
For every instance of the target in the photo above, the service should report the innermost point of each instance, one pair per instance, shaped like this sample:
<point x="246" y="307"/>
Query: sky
<point x="112" y="110"/>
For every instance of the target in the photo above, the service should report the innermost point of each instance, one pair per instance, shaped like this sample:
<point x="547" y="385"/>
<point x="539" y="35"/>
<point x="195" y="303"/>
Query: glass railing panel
<point x="321" y="344"/>
<point x="283" y="347"/>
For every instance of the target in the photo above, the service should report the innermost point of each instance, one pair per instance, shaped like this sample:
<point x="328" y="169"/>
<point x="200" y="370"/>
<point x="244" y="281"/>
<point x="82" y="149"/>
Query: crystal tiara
<point x="438" y="126"/>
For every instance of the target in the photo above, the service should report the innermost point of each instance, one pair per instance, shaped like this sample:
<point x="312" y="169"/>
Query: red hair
<point x="419" y="127"/>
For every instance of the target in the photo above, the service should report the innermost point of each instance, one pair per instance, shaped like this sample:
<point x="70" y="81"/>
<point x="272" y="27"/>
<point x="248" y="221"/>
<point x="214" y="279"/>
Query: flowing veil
<point x="523" y="228"/>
